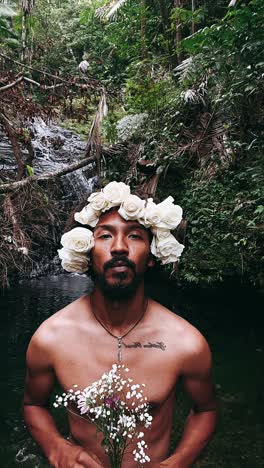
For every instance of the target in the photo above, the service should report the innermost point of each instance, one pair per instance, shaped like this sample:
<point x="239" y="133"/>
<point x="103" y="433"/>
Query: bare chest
<point x="82" y="359"/>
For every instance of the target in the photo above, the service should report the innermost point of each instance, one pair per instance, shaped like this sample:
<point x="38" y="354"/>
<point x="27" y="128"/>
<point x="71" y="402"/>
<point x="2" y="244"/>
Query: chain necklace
<point x="119" y="338"/>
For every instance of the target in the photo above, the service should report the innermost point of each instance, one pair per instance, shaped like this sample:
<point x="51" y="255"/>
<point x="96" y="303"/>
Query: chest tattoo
<point x="137" y="344"/>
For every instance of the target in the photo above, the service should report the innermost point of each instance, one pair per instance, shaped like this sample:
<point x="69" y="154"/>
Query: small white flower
<point x="91" y="403"/>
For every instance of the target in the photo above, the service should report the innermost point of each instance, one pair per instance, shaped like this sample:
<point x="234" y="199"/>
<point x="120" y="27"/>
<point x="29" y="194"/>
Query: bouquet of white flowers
<point x="117" y="407"/>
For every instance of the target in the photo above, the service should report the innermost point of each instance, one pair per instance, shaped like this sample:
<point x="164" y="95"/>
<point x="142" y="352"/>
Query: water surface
<point x="23" y="308"/>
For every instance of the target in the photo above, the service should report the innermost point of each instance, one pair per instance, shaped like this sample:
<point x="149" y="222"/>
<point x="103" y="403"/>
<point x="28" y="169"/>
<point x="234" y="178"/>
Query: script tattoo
<point x="137" y="344"/>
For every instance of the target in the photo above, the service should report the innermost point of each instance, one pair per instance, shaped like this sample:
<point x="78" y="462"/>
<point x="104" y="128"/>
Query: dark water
<point x="23" y="309"/>
<point x="230" y="318"/>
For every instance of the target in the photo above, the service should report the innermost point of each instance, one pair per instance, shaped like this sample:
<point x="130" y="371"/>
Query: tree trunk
<point x="11" y="133"/>
<point x="31" y="51"/>
<point x="24" y="36"/>
<point x="143" y="28"/>
<point x="178" y="36"/>
<point x="193" y="22"/>
<point x="19" y="235"/>
<point x="164" y="15"/>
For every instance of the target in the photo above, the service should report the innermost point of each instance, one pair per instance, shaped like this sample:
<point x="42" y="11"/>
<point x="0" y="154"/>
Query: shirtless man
<point x="76" y="346"/>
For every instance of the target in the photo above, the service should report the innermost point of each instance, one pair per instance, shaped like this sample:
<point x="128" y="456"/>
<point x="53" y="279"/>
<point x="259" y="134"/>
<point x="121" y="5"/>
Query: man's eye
<point x="104" y="236"/>
<point x="135" y="236"/>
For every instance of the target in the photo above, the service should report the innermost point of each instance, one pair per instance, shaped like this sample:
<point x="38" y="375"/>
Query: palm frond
<point x="183" y="70"/>
<point x="109" y="11"/>
<point x="7" y="10"/>
<point x="94" y="145"/>
<point x="149" y="187"/>
<point x="232" y="3"/>
<point x="210" y="138"/>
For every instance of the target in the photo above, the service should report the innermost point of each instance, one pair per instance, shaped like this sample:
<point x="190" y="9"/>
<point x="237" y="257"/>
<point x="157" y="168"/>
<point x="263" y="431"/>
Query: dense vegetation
<point x="184" y="86"/>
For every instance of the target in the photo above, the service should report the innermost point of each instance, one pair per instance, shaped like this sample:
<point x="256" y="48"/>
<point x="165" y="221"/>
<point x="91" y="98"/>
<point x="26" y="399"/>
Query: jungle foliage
<point x="184" y="87"/>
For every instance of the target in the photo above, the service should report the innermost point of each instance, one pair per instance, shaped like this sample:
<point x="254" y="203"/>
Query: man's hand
<point x="68" y="455"/>
<point x="171" y="464"/>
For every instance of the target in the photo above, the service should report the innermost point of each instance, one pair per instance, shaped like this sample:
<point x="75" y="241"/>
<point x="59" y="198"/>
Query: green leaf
<point x="259" y="209"/>
<point x="30" y="170"/>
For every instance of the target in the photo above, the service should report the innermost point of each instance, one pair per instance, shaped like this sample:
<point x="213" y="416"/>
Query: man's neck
<point x="118" y="315"/>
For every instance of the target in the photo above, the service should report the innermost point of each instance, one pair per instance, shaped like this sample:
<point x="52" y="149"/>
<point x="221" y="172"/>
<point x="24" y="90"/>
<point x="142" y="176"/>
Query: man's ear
<point x="151" y="261"/>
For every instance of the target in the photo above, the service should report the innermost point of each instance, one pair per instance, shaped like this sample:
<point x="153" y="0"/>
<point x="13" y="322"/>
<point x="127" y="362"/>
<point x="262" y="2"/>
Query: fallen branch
<point x="11" y="85"/>
<point x="41" y="86"/>
<point x="5" y="188"/>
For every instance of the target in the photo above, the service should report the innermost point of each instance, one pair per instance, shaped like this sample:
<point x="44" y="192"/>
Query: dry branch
<point x="5" y="188"/>
<point x="45" y="87"/>
<point x="19" y="235"/>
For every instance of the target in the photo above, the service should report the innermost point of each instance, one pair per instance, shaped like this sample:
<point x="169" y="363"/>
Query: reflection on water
<point x="23" y="308"/>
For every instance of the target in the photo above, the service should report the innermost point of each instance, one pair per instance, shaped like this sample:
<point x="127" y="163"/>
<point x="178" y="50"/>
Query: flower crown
<point x="159" y="218"/>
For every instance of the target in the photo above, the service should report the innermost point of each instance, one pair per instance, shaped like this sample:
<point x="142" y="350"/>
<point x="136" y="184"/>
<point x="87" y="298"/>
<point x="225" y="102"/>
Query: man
<point x="117" y="323"/>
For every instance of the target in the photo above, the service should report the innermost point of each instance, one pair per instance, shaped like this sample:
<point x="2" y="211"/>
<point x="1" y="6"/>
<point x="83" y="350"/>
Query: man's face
<point x="121" y="255"/>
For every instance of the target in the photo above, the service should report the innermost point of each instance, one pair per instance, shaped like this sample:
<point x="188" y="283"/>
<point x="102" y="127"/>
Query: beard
<point x="121" y="288"/>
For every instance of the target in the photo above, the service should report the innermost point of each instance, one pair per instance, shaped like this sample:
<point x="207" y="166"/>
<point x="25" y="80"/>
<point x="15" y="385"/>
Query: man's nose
<point x="119" y="245"/>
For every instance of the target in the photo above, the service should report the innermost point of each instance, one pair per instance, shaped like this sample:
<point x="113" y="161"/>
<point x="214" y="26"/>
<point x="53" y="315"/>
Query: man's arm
<point x="40" y="380"/>
<point x="201" y="422"/>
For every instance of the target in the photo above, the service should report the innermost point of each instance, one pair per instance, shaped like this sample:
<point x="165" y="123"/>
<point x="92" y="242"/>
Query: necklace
<point x="119" y="338"/>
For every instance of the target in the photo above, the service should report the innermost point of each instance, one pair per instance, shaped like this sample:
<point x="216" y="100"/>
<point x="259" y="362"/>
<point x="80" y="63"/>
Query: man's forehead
<point x="113" y="218"/>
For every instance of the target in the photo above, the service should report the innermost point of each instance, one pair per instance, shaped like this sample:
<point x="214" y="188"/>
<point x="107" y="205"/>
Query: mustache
<point x="118" y="259"/>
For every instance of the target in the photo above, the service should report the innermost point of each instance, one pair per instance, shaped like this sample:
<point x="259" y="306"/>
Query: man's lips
<point x="119" y="267"/>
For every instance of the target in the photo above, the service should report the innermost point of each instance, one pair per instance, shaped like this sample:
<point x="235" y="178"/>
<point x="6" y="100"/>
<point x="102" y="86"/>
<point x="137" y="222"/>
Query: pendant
<point x="119" y="352"/>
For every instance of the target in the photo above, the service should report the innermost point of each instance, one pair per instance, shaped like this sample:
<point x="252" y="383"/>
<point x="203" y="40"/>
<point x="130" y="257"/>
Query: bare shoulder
<point x="183" y="338"/>
<point x="54" y="330"/>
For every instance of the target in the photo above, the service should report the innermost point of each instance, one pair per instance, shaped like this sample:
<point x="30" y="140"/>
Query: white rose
<point x="116" y="192"/>
<point x="152" y="215"/>
<point x="79" y="239"/>
<point x="132" y="207"/>
<point x="87" y="216"/>
<point x="98" y="202"/>
<point x="73" y="262"/>
<point x="160" y="233"/>
<point x="169" y="259"/>
<point x="167" y="249"/>
<point x="171" y="215"/>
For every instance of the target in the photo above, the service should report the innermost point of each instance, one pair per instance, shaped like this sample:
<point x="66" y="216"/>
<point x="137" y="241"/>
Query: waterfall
<point x="55" y="148"/>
